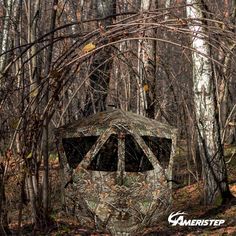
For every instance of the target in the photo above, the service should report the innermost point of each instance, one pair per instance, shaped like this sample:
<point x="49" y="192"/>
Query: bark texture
<point x="207" y="119"/>
<point x="5" y="33"/>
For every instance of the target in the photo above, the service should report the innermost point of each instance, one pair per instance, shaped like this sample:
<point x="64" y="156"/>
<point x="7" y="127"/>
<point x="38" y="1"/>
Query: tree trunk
<point x="4" y="230"/>
<point x="5" y="33"/>
<point x="146" y="67"/>
<point x="224" y="89"/>
<point x="31" y="179"/>
<point x="45" y="140"/>
<point x="100" y="78"/>
<point x="216" y="189"/>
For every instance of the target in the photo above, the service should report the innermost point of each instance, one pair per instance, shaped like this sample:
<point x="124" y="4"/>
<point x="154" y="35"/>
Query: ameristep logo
<point x="179" y="218"/>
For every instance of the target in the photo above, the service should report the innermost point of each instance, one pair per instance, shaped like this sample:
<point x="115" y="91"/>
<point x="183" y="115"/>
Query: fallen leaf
<point x="89" y="47"/>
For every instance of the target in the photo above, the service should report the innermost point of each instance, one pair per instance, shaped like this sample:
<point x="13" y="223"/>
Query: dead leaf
<point x="29" y="155"/>
<point x="145" y="88"/>
<point x="89" y="47"/>
<point x="34" y="92"/>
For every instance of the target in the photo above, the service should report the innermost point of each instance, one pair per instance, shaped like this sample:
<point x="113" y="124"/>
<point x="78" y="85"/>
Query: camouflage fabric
<point x="120" y="201"/>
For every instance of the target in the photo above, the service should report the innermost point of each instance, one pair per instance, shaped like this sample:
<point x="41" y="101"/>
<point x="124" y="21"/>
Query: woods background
<point x="60" y="60"/>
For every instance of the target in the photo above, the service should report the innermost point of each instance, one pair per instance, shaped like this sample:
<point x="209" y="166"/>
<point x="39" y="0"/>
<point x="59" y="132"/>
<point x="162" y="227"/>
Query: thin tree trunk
<point x="45" y="141"/>
<point x="22" y="201"/>
<point x="227" y="78"/>
<point x="32" y="181"/>
<point x="167" y="5"/>
<point x="207" y="121"/>
<point x="141" y="95"/>
<point x="100" y="78"/>
<point x="5" y="33"/>
<point x="146" y="67"/>
<point x="33" y="200"/>
<point x="4" y="230"/>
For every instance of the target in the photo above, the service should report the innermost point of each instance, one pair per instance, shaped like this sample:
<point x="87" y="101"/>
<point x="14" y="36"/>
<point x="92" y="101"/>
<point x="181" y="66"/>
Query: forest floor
<point x="185" y="199"/>
<point x="188" y="200"/>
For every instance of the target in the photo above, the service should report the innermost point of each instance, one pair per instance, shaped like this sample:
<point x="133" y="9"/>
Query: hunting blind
<point x="120" y="164"/>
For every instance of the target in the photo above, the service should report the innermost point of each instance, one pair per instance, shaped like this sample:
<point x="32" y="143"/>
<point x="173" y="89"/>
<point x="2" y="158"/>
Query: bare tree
<point x="140" y="52"/>
<point x="102" y="62"/>
<point x="207" y="120"/>
<point x="5" y="32"/>
<point x="144" y="56"/>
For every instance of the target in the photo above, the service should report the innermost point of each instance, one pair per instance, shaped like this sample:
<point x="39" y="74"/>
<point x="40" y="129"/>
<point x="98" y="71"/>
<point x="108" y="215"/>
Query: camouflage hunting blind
<point x="120" y="164"/>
